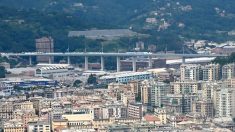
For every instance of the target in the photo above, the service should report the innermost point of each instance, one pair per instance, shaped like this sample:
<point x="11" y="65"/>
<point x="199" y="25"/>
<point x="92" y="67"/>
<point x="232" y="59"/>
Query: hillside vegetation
<point x="176" y="21"/>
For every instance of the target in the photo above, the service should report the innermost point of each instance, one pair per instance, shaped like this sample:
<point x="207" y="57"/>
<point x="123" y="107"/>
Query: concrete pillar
<point x="134" y="64"/>
<point x="150" y="62"/>
<point x="118" y="64"/>
<point x="183" y="60"/>
<point x="86" y="63"/>
<point x="68" y="60"/>
<point x="30" y="60"/>
<point x="50" y="60"/>
<point x="102" y="63"/>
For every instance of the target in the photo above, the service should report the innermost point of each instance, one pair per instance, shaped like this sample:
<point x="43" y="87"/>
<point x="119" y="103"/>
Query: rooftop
<point x="103" y="34"/>
<point x="123" y="74"/>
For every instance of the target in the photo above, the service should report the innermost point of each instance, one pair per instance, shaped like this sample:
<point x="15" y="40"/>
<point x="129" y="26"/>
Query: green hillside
<point x="176" y="21"/>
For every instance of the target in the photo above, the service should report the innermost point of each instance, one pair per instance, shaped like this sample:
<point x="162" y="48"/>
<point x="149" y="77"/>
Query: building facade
<point x="45" y="44"/>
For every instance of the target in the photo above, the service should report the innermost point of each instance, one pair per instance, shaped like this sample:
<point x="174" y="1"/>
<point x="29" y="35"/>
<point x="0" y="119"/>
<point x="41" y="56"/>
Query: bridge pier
<point x="49" y="60"/>
<point x="30" y="60"/>
<point x="118" y="64"/>
<point x="150" y="62"/>
<point x="183" y="60"/>
<point x="134" y="64"/>
<point x="68" y="60"/>
<point x="86" y="63"/>
<point x="102" y="63"/>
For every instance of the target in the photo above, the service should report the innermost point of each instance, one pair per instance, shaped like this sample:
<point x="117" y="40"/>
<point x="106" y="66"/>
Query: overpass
<point x="134" y="55"/>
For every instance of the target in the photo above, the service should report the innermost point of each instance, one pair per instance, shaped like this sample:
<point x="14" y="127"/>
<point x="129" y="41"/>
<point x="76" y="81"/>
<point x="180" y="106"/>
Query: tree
<point x="77" y="83"/>
<point x="225" y="60"/>
<point x="92" y="79"/>
<point x="2" y="72"/>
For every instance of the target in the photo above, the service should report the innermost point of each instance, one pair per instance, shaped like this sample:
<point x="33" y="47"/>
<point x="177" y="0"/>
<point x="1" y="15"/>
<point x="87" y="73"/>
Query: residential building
<point x="190" y="72"/>
<point x="135" y="110"/>
<point x="145" y="87"/>
<point x="114" y="110"/>
<point x="179" y="103"/>
<point x="39" y="126"/>
<point x="186" y="87"/>
<point x="224" y="102"/>
<point x="127" y="97"/>
<point x="161" y="114"/>
<point x="159" y="90"/>
<point x="79" y="118"/>
<point x="13" y="126"/>
<point x="228" y="71"/>
<point x="204" y="107"/>
<point x="211" y="72"/>
<point x="5" y="89"/>
<point x="6" y="111"/>
<point x="45" y="44"/>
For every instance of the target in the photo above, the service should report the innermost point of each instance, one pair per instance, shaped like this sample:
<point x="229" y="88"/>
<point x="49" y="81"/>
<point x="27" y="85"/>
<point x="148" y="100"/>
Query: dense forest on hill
<point x="21" y="22"/>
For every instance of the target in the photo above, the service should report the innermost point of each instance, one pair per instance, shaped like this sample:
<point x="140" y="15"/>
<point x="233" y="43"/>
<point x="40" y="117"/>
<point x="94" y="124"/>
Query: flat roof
<point x="191" y="60"/>
<point x="103" y="34"/>
<point x="123" y="74"/>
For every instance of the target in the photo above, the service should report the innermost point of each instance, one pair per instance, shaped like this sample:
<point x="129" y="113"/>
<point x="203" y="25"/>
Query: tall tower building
<point x="145" y="92"/>
<point x="224" y="102"/>
<point x="45" y="44"/>
<point x="159" y="90"/>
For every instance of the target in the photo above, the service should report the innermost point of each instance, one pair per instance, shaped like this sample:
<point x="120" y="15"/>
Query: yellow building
<point x="81" y="118"/>
<point x="24" y="105"/>
<point x="134" y="87"/>
<point x="25" y="116"/>
<point x="145" y="91"/>
<point x="186" y="87"/>
<point x="57" y="125"/>
<point x="13" y="126"/>
<point x="161" y="114"/>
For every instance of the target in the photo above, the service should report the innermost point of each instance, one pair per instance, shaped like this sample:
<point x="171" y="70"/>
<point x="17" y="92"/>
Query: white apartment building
<point x="194" y="72"/>
<point x="228" y="71"/>
<point x="158" y="92"/>
<point x="38" y="126"/>
<point x="186" y="87"/>
<point x="224" y="102"/>
<point x="211" y="72"/>
<point x="190" y="72"/>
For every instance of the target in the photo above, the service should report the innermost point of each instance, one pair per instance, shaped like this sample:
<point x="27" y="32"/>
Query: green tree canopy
<point x="2" y="72"/>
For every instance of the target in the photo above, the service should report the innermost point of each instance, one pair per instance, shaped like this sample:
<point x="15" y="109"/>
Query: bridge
<point x="134" y="56"/>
